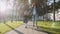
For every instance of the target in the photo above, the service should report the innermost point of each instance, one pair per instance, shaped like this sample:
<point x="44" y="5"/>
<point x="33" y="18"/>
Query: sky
<point x="51" y="1"/>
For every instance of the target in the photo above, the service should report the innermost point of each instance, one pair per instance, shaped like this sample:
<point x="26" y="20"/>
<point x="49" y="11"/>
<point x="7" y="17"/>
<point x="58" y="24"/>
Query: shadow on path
<point x="14" y="29"/>
<point x="40" y="29"/>
<point x="37" y="29"/>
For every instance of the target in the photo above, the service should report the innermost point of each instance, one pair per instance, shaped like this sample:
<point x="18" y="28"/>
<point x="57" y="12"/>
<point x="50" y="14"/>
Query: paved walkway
<point x="23" y="30"/>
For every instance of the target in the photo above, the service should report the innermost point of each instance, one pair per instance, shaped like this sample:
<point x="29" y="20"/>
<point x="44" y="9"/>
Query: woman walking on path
<point x="26" y="17"/>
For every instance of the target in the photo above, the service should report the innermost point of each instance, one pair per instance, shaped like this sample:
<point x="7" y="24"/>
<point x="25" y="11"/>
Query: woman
<point x="26" y="17"/>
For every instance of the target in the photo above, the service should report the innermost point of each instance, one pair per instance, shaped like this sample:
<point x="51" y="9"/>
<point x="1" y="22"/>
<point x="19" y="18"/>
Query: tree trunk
<point x="54" y="10"/>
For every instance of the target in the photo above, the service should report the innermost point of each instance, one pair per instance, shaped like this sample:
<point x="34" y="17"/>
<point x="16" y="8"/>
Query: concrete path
<point x="23" y="30"/>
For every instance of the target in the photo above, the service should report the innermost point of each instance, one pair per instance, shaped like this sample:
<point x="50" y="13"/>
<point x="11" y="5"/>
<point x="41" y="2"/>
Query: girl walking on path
<point x="26" y="17"/>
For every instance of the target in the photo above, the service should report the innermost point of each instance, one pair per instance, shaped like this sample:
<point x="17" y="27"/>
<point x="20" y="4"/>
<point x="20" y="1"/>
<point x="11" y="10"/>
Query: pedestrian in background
<point x="26" y="17"/>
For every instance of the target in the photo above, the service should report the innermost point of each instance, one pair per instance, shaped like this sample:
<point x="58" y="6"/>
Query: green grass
<point x="49" y="26"/>
<point x="4" y="28"/>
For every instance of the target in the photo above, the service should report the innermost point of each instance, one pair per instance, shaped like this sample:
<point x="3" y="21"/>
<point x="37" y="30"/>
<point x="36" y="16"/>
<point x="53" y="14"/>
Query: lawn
<point x="5" y="28"/>
<point x="50" y="26"/>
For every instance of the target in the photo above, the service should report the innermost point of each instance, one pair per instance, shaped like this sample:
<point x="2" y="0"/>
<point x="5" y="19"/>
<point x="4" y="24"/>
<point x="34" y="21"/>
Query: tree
<point x="54" y="7"/>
